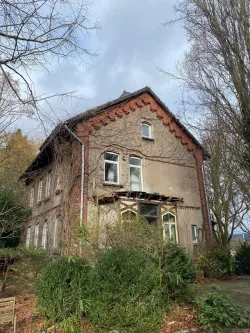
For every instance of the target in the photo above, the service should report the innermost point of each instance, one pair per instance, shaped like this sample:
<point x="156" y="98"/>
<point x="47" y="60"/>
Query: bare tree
<point x="228" y="204"/>
<point x="35" y="34"/>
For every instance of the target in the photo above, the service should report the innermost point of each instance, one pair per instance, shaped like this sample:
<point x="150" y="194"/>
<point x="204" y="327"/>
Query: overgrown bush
<point x="62" y="288"/>
<point x="126" y="293"/>
<point x="21" y="266"/>
<point x="215" y="310"/>
<point x="243" y="255"/>
<point x="178" y="271"/>
<point x="216" y="263"/>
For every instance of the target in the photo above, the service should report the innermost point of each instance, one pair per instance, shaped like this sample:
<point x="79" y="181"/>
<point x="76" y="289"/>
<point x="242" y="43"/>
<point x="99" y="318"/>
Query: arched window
<point x="169" y="223"/>
<point x="128" y="215"/>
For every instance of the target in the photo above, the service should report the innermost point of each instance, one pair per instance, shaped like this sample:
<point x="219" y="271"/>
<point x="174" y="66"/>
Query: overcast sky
<point x="131" y="45"/>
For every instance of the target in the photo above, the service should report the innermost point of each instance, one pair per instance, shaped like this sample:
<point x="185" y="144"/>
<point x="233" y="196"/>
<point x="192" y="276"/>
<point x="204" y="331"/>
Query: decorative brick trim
<point x="106" y="116"/>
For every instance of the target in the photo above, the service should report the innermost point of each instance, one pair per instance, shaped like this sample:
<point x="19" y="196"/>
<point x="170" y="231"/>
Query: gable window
<point x="150" y="212"/>
<point x="194" y="234"/>
<point x="111" y="167"/>
<point x="128" y="215"/>
<point x="31" y="197"/>
<point x="48" y="184"/>
<point x="169" y="224"/>
<point x="135" y="173"/>
<point x="36" y="234"/>
<point x="28" y="238"/>
<point x="40" y="190"/>
<point x="146" y="130"/>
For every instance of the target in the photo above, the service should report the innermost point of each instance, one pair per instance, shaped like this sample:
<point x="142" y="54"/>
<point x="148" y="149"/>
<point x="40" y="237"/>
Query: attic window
<point x="146" y="130"/>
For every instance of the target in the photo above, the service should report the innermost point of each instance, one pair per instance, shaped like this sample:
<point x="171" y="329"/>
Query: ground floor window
<point x="194" y="234"/>
<point x="44" y="235"/>
<point x="128" y="215"/>
<point x="28" y="237"/>
<point x="36" y="235"/>
<point x="150" y="212"/>
<point x="169" y="224"/>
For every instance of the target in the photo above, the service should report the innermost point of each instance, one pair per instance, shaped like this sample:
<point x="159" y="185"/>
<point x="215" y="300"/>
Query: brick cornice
<point x="103" y="118"/>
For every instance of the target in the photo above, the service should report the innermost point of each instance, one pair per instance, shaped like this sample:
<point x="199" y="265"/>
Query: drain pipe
<point x="82" y="179"/>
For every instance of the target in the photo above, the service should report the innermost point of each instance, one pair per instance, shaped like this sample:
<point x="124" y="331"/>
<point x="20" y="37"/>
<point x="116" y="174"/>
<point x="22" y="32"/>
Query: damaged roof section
<point x="111" y="197"/>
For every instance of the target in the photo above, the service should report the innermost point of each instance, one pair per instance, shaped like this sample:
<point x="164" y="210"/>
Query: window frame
<point x="45" y="235"/>
<point x="111" y="162"/>
<point x="128" y="210"/>
<point x="55" y="242"/>
<point x="40" y="190"/>
<point x="36" y="235"/>
<point x="195" y="228"/>
<point x="150" y="130"/>
<point x="170" y="223"/>
<point x="28" y="237"/>
<point x="135" y="166"/>
<point x="48" y="184"/>
<point x="158" y="207"/>
<point x="31" y="196"/>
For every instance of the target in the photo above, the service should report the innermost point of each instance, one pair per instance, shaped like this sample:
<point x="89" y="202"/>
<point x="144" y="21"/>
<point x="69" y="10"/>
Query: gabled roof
<point x="71" y="122"/>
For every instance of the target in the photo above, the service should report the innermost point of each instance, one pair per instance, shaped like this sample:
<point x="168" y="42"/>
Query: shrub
<point x="30" y="263"/>
<point x="216" y="263"/>
<point x="178" y="271"/>
<point x="126" y="292"/>
<point x="214" y="310"/>
<point x="62" y="287"/>
<point x="243" y="255"/>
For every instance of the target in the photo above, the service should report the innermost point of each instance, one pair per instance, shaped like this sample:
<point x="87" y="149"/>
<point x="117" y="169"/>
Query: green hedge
<point x="243" y="255"/>
<point x="62" y="288"/>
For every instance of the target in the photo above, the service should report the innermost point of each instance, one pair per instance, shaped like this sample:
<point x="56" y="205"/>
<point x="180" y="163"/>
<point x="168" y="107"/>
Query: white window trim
<point x="40" y="190"/>
<point x="44" y="235"/>
<point x="31" y="201"/>
<point x="28" y="234"/>
<point x="36" y="235"/>
<point x="48" y="185"/>
<point x="150" y="130"/>
<point x="135" y="166"/>
<point x="112" y="162"/>
<point x="170" y="223"/>
<point x="55" y="234"/>
<point x="196" y="241"/>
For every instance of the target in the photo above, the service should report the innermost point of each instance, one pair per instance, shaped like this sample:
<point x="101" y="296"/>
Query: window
<point x="31" y="196"/>
<point x="40" y="190"/>
<point x="28" y="237"/>
<point x="44" y="235"/>
<point x="55" y="242"/>
<point x="128" y="215"/>
<point x="169" y="223"/>
<point x="135" y="173"/>
<point x="36" y="234"/>
<point x="194" y="234"/>
<point x="150" y="212"/>
<point x="146" y="130"/>
<point x="48" y="184"/>
<point x="111" y="168"/>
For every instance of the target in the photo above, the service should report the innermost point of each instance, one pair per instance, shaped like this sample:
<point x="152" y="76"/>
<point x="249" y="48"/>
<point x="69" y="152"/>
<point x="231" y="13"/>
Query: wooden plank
<point x="5" y="318"/>
<point x="7" y="309"/>
<point x="8" y="299"/>
<point x="3" y="305"/>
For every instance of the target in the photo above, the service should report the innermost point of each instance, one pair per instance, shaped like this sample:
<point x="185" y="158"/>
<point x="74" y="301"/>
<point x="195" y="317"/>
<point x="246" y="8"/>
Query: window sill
<point x="113" y="185"/>
<point x="147" y="139"/>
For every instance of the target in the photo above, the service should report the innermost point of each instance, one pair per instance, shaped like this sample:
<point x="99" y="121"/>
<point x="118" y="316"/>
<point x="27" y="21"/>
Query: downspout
<point x="207" y="206"/>
<point x="82" y="180"/>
